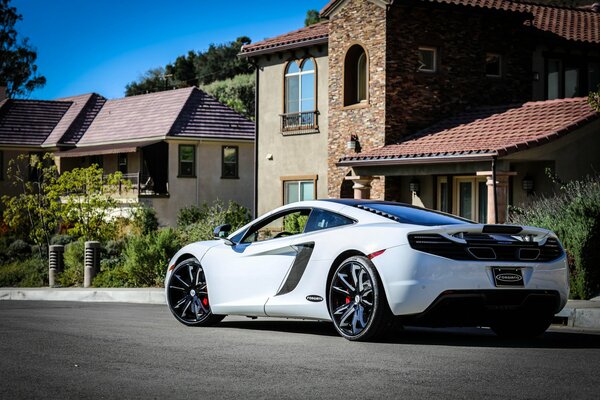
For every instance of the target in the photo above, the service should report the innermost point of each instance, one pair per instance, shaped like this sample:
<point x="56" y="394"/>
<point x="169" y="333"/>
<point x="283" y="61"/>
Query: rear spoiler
<point x="452" y="232"/>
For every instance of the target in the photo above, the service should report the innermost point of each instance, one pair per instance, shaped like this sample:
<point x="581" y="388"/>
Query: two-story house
<point x="178" y="148"/>
<point x="457" y="105"/>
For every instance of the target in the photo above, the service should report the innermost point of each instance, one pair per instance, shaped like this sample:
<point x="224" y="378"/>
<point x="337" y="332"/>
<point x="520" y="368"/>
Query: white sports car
<point x="362" y="264"/>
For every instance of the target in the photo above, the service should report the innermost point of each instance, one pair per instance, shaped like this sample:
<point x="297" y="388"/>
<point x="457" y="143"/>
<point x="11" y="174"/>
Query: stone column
<point x="362" y="186"/>
<point x="55" y="263"/>
<point x="501" y="195"/>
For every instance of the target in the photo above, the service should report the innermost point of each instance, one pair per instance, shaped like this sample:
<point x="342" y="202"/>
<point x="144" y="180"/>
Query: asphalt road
<point x="94" y="350"/>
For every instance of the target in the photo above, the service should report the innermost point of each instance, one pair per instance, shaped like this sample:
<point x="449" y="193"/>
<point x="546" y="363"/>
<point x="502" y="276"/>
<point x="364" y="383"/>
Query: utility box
<point x="56" y="262"/>
<point x="91" y="262"/>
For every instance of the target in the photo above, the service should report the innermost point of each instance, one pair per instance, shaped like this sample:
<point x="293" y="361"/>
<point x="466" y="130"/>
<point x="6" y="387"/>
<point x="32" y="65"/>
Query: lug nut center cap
<point x="192" y="292"/>
<point x="357" y="299"/>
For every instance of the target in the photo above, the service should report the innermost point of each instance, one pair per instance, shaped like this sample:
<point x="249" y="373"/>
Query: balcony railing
<point x="298" y="123"/>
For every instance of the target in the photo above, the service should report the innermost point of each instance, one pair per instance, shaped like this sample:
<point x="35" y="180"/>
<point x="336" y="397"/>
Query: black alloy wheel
<point x="187" y="295"/>
<point x="357" y="303"/>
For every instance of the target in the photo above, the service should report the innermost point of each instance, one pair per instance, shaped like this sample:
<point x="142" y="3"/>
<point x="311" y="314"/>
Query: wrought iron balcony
<point x="298" y="123"/>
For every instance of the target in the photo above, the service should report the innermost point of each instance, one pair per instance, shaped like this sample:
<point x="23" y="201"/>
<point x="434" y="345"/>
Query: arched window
<point x="356" y="78"/>
<point x="300" y="90"/>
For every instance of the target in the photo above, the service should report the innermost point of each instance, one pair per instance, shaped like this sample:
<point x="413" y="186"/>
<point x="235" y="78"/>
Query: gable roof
<point x="574" y="24"/>
<point x="30" y="122"/>
<point x="76" y="120"/>
<point x="203" y="116"/>
<point x="187" y="112"/>
<point x="310" y="35"/>
<point x="490" y="131"/>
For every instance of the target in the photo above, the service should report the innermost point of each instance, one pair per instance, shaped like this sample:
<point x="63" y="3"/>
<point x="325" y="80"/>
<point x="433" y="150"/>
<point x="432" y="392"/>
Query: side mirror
<point x="221" y="232"/>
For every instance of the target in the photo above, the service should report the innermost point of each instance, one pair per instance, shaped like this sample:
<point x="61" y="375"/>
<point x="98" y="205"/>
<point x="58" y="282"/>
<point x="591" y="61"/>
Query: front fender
<point x="197" y="250"/>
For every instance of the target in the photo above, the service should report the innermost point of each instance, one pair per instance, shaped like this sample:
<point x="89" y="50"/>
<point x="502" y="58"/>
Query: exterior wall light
<point x="352" y="143"/>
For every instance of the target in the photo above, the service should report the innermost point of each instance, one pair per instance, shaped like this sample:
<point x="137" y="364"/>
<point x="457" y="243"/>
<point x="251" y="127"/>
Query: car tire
<point x="357" y="302"/>
<point x="187" y="295"/>
<point x="522" y="326"/>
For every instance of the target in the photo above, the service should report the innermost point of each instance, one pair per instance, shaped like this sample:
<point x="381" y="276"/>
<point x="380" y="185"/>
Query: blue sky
<point x="101" y="45"/>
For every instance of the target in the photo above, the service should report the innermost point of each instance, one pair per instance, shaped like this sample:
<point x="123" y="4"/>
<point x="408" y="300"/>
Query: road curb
<point x="577" y="313"/>
<point x="121" y="295"/>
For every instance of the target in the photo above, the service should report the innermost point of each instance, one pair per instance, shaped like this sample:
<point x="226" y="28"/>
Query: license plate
<point x="508" y="276"/>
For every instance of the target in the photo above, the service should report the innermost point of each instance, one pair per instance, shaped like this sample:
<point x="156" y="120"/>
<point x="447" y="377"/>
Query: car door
<point x="242" y="277"/>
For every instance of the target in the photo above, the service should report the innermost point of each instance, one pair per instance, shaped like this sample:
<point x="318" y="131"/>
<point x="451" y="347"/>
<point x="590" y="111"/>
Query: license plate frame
<point x="508" y="276"/>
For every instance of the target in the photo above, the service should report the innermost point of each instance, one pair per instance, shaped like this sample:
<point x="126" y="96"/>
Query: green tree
<point x="18" y="71"/>
<point x="594" y="100"/>
<point x="237" y="93"/>
<point x="218" y="62"/>
<point x="312" y="17"/>
<point x="35" y="206"/>
<point x="88" y="205"/>
<point x="154" y="80"/>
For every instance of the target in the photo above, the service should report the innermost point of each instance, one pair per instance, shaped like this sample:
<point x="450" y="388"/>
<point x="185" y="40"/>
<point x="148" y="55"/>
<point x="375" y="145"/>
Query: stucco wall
<point x="208" y="185"/>
<point x="292" y="155"/>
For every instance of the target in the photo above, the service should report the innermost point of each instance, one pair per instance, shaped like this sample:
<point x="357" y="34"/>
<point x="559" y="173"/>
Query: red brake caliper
<point x="348" y="299"/>
<point x="205" y="301"/>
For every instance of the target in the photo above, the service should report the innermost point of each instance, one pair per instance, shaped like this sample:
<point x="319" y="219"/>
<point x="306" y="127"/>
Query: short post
<point x="55" y="262"/>
<point x="91" y="262"/>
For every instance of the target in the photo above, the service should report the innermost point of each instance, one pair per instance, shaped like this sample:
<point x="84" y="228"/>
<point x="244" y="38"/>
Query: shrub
<point x="18" y="249"/>
<point x="198" y="223"/>
<point x="30" y="272"/>
<point x="574" y="215"/>
<point x="74" y="260"/>
<point x="62" y="240"/>
<point x="145" y="220"/>
<point x="146" y="257"/>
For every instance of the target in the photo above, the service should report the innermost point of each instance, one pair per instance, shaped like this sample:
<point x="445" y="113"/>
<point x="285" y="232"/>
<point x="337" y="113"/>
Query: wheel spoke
<point x="182" y="281"/>
<point x="344" y="317"/>
<point x="366" y="302"/>
<point x="180" y="302"/>
<point x="176" y="287"/>
<point x="354" y="276"/>
<point x="338" y="289"/>
<point x="348" y="284"/>
<point x="191" y="271"/>
<point x="198" y="276"/>
<point x="187" y="305"/>
<point x="342" y="308"/>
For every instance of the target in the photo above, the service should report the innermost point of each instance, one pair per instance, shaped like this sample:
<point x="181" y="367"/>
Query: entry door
<point x="470" y="198"/>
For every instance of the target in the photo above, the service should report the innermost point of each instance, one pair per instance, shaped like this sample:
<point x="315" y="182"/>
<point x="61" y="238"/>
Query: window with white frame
<point x="300" y="87"/>
<point x="427" y="59"/>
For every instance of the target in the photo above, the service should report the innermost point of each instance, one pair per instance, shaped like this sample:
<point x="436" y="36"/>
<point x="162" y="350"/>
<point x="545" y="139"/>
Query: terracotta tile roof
<point x="204" y="116"/>
<point x="76" y="120"/>
<point x="313" y="34"/>
<point x="571" y="24"/>
<point x="183" y="112"/>
<point x="498" y="130"/>
<point x="30" y="122"/>
<point x="575" y="24"/>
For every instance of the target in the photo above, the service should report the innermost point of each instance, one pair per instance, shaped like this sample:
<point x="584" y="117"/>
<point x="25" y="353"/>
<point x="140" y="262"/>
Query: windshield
<point x="413" y="215"/>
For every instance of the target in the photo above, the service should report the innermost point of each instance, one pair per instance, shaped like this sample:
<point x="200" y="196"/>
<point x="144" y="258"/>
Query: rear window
<point x="412" y="215"/>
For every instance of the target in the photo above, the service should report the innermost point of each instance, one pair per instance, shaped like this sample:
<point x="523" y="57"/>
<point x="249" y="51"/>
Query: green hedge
<point x="574" y="215"/>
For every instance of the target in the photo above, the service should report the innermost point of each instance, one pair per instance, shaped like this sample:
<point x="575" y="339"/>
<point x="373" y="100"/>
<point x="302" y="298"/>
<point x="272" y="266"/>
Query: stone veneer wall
<point x="362" y="22"/>
<point x="462" y="37"/>
<point x="402" y="100"/>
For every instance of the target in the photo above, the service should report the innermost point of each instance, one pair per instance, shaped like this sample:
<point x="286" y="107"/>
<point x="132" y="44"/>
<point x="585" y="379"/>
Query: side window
<point x="322" y="219"/>
<point x="287" y="224"/>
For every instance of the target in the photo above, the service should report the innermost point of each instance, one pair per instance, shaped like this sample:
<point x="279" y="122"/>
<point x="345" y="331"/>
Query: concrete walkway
<point x="577" y="313"/>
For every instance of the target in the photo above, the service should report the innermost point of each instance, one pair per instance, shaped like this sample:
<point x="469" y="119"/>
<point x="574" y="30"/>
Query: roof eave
<point x="291" y="46"/>
<point x="443" y="159"/>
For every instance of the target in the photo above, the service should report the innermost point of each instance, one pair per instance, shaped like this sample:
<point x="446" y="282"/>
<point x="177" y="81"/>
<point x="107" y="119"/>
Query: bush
<point x="198" y="223"/>
<point x="74" y="261"/>
<point x="62" y="240"/>
<point x="145" y="220"/>
<point x="574" y="215"/>
<point x="146" y="257"/>
<point x="30" y="272"/>
<point x="112" y="273"/>
<point x="18" y="249"/>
